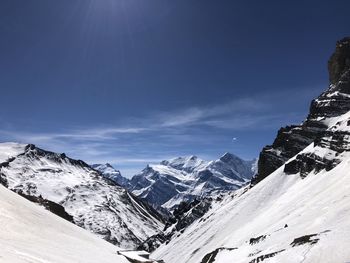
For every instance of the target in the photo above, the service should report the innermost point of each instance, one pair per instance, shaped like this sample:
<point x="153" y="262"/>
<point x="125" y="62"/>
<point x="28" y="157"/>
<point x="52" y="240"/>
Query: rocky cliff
<point x="335" y="101"/>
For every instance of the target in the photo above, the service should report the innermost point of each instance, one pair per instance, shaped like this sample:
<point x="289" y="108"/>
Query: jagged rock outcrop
<point x="297" y="213"/>
<point x="291" y="140"/>
<point x="183" y="216"/>
<point x="340" y="60"/>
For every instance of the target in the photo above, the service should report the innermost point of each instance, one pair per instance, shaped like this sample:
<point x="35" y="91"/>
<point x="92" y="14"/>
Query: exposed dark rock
<point x="49" y="205"/>
<point x="31" y="151"/>
<point x="255" y="240"/>
<point x="305" y="163"/>
<point x="291" y="140"/>
<point x="154" y="242"/>
<point x="263" y="257"/>
<point x="183" y="216"/>
<point x="210" y="257"/>
<point x="3" y="180"/>
<point x="197" y="211"/>
<point x="340" y="60"/>
<point x="307" y="239"/>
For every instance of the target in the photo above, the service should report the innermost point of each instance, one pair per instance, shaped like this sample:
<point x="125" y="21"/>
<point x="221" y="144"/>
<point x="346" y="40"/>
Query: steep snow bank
<point x="273" y="220"/>
<point x="29" y="234"/>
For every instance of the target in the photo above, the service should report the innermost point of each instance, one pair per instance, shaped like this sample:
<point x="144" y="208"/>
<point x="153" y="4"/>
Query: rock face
<point x="74" y="190"/>
<point x="171" y="182"/>
<point x="300" y="211"/>
<point x="340" y="60"/>
<point x="183" y="216"/>
<point x="290" y="140"/>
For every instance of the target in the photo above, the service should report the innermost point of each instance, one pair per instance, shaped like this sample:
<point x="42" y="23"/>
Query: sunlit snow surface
<point x="184" y="178"/>
<point x="9" y="150"/>
<point x="95" y="203"/>
<point x="30" y="234"/>
<point x="318" y="204"/>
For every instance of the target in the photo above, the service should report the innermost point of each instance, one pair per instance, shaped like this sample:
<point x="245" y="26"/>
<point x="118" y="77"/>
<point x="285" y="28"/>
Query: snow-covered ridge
<point x="284" y="217"/>
<point x="169" y="183"/>
<point x="96" y="203"/>
<point x="299" y="212"/>
<point x="31" y="234"/>
<point x="332" y="103"/>
<point x="109" y="172"/>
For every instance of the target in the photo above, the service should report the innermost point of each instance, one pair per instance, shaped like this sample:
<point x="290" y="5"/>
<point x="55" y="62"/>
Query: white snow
<point x="30" y="234"/>
<point x="9" y="150"/>
<point x="95" y="204"/>
<point x="191" y="176"/>
<point x="318" y="204"/>
<point x="140" y="256"/>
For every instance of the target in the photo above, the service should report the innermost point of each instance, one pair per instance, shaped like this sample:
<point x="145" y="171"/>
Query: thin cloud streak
<point x="159" y="136"/>
<point x="238" y="114"/>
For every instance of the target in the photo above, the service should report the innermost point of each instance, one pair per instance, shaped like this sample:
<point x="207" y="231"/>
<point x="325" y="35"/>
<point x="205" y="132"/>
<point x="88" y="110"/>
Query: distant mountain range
<point x="171" y="182"/>
<point x="99" y="199"/>
<point x="297" y="207"/>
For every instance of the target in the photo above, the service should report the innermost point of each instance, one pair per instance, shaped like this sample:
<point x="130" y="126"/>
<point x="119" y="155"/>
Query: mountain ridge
<point x="95" y="203"/>
<point x="170" y="182"/>
<point x="298" y="207"/>
<point x="333" y="102"/>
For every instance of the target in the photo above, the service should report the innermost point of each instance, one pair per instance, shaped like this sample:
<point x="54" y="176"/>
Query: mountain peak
<point x="188" y="163"/>
<point x="228" y="157"/>
<point x="334" y="102"/>
<point x="192" y="157"/>
<point x="340" y="60"/>
<point x="109" y="172"/>
<point x="109" y="165"/>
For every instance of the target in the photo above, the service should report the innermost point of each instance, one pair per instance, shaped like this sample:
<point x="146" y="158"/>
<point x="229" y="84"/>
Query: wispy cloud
<point x="154" y="137"/>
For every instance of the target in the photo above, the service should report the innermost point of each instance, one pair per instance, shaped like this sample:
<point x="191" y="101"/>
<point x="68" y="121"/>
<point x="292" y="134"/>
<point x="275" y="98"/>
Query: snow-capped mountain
<point x="109" y="172"/>
<point x="298" y="212"/>
<point x="169" y="183"/>
<point x="95" y="203"/>
<point x="29" y="233"/>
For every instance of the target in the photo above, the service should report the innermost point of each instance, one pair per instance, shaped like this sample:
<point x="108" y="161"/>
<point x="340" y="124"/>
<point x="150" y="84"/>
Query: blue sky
<point x="134" y="82"/>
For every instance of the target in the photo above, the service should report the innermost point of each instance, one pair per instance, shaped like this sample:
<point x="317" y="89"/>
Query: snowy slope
<point x="10" y="150"/>
<point x="30" y="234"/>
<point x="169" y="183"/>
<point x="298" y="213"/>
<point x="95" y="203"/>
<point x="318" y="204"/>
